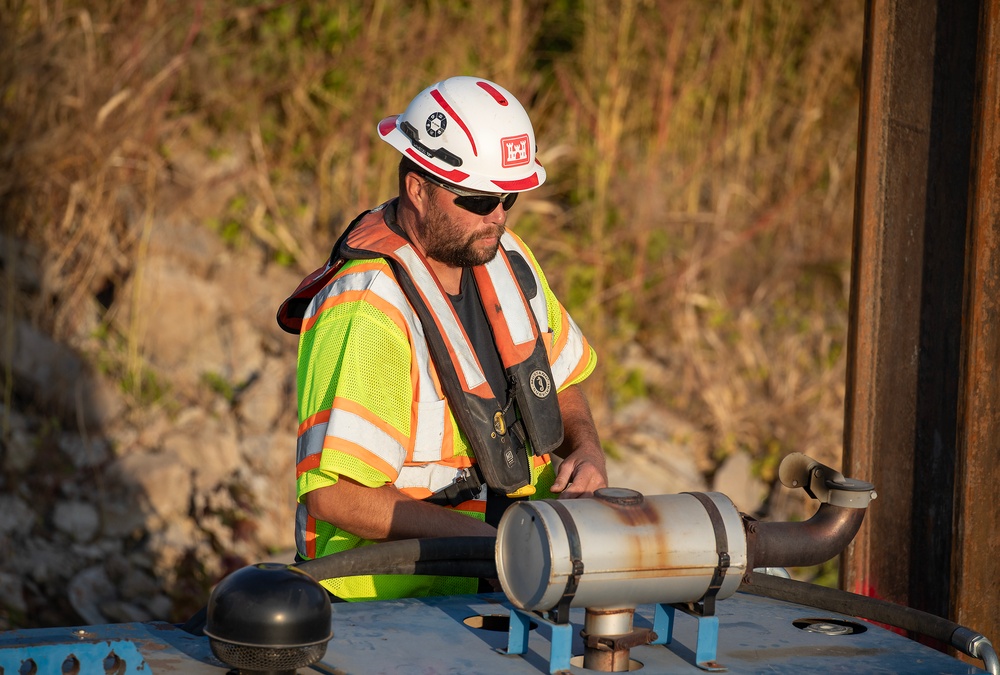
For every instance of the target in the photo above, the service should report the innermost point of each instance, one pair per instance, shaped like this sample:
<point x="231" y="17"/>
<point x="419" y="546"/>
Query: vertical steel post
<point x="908" y="331"/>
<point x="975" y="586"/>
<point x="889" y="224"/>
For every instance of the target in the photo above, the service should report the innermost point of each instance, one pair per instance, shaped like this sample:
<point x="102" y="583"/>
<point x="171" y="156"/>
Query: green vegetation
<point x="700" y="159"/>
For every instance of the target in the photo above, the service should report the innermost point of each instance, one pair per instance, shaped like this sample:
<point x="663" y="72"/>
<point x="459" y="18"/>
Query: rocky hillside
<point x="123" y="508"/>
<point x="169" y="171"/>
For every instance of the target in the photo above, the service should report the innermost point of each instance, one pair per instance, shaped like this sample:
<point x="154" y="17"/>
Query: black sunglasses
<point x="476" y="202"/>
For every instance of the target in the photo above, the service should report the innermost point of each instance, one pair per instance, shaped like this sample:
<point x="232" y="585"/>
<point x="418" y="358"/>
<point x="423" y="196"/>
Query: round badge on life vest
<point x="499" y="423"/>
<point x="540" y="383"/>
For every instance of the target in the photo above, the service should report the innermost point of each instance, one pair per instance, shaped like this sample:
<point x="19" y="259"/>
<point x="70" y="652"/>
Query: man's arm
<point x="583" y="468"/>
<point x="384" y="513"/>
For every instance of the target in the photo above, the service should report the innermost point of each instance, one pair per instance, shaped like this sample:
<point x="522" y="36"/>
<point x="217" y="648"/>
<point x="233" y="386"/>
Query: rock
<point x="735" y="479"/>
<point x="118" y="611"/>
<point x="276" y="501"/>
<point x="44" y="562"/>
<point x="16" y="517"/>
<point x="123" y="518"/>
<point x="19" y="451"/>
<point x="136" y="585"/>
<point x="78" y="519"/>
<point x="657" y="455"/>
<point x="265" y="401"/>
<point x="88" y="591"/>
<point x="159" y="481"/>
<point x="57" y="378"/>
<point x="84" y="453"/>
<point x="159" y="606"/>
<point x="187" y="330"/>
<point x="205" y="444"/>
<point x="12" y="593"/>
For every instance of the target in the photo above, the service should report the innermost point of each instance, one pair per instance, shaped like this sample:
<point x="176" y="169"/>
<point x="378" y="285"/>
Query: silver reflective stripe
<point x="434" y="477"/>
<point x="572" y="352"/>
<point x="429" y="436"/>
<point x="310" y="442"/>
<point x="539" y="304"/>
<point x="442" y="309"/>
<point x="518" y="322"/>
<point x="355" y="429"/>
<point x="381" y="284"/>
<point x="301" y="525"/>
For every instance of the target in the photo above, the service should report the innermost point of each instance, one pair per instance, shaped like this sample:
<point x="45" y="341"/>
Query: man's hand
<point x="583" y="468"/>
<point x="579" y="475"/>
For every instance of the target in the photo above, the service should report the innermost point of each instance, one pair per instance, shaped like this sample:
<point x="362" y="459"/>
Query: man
<point x="436" y="369"/>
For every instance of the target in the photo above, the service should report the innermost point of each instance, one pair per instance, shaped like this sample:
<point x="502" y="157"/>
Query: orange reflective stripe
<point x="416" y="492"/>
<point x="347" y="405"/>
<point x="319" y="418"/>
<point x="308" y="464"/>
<point x="510" y="352"/>
<point x="310" y="537"/>
<point x="475" y="505"/>
<point x="376" y="301"/>
<point x="457" y="461"/>
<point x="366" y="456"/>
<point x="563" y="336"/>
<point x="540" y="460"/>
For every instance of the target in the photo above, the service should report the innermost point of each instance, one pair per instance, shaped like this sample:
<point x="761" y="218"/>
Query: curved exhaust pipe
<point x="843" y="504"/>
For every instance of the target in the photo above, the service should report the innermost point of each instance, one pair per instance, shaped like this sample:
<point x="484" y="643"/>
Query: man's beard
<point x="446" y="242"/>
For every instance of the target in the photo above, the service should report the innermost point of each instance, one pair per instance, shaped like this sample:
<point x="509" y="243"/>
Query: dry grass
<point x="700" y="156"/>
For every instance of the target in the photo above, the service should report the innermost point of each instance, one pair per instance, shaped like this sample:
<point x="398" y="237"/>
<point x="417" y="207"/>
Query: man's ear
<point x="417" y="192"/>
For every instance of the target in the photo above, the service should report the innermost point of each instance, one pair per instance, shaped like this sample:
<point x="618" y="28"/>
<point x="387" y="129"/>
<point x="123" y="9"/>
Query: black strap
<point x="721" y="548"/>
<point x="560" y="614"/>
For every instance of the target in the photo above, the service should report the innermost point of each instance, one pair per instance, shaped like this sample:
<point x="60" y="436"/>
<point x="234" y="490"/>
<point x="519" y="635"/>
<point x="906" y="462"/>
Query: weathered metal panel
<point x="468" y="635"/>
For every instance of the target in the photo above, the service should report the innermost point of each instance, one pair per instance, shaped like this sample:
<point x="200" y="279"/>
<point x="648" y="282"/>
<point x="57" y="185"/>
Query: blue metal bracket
<point x="561" y="650"/>
<point x="707" y="640"/>
<point x="84" y="658"/>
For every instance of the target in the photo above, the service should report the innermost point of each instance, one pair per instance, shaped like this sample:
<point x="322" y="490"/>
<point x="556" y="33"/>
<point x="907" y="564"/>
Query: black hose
<point x="452" y="556"/>
<point x="961" y="638"/>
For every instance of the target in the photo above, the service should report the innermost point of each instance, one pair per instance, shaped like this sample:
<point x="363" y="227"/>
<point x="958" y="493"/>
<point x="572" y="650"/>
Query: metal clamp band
<point x="561" y="612"/>
<point x="721" y="548"/>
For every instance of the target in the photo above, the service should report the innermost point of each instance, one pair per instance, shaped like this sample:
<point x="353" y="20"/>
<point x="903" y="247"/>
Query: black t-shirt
<point x="469" y="308"/>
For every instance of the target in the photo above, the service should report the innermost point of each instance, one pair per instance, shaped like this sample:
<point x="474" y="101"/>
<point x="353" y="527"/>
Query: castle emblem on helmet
<point x="514" y="150"/>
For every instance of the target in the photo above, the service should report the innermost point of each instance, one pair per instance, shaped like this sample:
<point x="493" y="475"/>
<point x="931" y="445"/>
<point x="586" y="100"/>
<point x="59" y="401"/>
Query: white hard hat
<point x="469" y="132"/>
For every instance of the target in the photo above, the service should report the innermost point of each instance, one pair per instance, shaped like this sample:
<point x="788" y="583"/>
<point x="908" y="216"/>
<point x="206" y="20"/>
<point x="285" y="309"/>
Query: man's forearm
<point x="385" y="513"/>
<point x="584" y="466"/>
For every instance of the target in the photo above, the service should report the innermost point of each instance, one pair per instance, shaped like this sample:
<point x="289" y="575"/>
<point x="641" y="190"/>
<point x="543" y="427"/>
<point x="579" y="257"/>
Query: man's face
<point x="457" y="237"/>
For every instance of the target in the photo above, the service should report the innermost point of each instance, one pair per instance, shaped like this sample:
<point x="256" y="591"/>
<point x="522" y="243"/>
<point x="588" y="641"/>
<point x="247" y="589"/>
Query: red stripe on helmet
<point x="515" y="185"/>
<point x="387" y="125"/>
<point x="448" y="109"/>
<point x="491" y="90"/>
<point x="453" y="176"/>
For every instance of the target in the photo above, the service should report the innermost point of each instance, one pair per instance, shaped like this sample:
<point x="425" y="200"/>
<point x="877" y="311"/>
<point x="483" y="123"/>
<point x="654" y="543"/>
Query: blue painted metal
<point x="143" y="647"/>
<point x="707" y="635"/>
<point x="707" y="643"/>
<point x="431" y="636"/>
<point x="561" y="650"/>
<point x="83" y="658"/>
